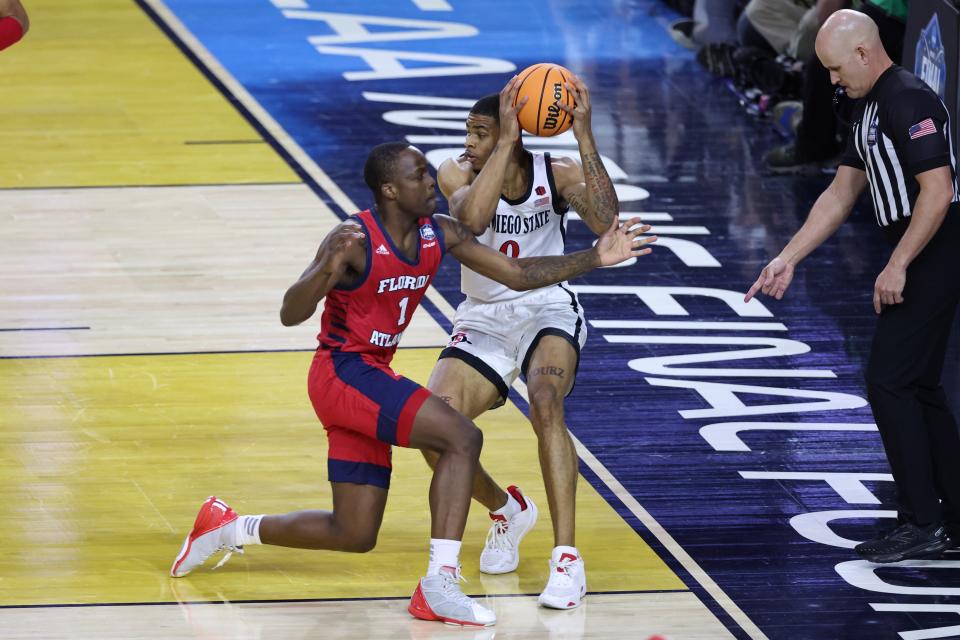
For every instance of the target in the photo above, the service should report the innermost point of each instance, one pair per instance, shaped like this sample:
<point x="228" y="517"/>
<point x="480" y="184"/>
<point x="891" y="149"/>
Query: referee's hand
<point x="888" y="288"/>
<point x="773" y="280"/>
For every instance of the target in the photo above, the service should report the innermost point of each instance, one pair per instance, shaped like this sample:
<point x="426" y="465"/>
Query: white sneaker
<point x="439" y="597"/>
<point x="211" y="533"/>
<point x="501" y="553"/>
<point x="567" y="584"/>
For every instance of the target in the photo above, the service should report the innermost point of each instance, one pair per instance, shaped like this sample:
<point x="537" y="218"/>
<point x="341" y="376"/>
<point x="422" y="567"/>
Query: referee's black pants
<point x="910" y="408"/>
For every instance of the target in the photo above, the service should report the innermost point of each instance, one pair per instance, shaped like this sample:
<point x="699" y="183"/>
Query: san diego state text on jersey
<point x="516" y="224"/>
<point x="531" y="225"/>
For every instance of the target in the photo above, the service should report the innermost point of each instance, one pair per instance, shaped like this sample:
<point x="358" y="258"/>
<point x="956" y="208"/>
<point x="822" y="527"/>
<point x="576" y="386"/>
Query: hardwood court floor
<point x="603" y="616"/>
<point x="96" y="95"/>
<point x="146" y="226"/>
<point x="111" y="456"/>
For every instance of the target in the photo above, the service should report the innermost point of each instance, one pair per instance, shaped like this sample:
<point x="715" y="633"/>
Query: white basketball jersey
<point x="533" y="225"/>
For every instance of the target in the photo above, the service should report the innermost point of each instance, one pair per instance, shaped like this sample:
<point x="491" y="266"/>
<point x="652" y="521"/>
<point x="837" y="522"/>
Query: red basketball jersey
<point x="371" y="315"/>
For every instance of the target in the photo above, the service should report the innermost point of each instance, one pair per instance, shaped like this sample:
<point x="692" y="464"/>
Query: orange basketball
<point x="543" y="84"/>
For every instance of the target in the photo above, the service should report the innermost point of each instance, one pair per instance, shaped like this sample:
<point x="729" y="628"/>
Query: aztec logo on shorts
<point x="457" y="338"/>
<point x="426" y="232"/>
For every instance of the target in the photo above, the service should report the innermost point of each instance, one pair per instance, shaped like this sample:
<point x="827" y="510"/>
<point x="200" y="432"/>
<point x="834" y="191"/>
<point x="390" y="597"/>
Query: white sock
<point x="443" y="553"/>
<point x="510" y="509"/>
<point x="248" y="530"/>
<point x="558" y="552"/>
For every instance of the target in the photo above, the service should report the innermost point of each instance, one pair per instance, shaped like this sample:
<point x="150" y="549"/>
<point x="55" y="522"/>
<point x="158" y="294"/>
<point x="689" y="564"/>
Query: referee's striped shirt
<point x="900" y="129"/>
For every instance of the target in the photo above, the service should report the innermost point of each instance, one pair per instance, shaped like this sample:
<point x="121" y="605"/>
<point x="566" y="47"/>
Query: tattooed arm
<point x="617" y="244"/>
<point x="588" y="190"/>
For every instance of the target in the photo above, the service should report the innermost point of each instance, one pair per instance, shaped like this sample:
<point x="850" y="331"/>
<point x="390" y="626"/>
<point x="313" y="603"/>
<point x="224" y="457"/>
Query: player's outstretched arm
<point x="474" y="202"/>
<point x="14" y="22"/>
<point x="589" y="190"/>
<point x="619" y="243"/>
<point x="341" y="251"/>
<point x="829" y="212"/>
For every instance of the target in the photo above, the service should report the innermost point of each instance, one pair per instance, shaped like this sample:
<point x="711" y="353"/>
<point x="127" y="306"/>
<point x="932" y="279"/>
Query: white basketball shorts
<point x="498" y="339"/>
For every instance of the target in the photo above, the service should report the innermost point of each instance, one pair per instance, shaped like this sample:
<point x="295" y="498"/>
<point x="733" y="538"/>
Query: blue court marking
<point x="679" y="135"/>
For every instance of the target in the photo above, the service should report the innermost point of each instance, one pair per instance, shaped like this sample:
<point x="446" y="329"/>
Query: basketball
<point x="543" y="84"/>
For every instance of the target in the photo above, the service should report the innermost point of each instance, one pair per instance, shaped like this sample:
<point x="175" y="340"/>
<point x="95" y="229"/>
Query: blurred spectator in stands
<point x="817" y="144"/>
<point x="779" y="26"/>
<point x="712" y="32"/>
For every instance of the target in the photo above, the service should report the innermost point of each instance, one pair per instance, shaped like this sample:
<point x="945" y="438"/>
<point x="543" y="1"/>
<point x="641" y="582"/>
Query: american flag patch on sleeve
<point x="922" y="128"/>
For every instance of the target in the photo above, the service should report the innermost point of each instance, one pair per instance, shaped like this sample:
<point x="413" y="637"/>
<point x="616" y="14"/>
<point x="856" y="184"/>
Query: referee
<point x="900" y="147"/>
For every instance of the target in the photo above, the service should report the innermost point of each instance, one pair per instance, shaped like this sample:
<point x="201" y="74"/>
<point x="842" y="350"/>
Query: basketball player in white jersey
<point x="515" y="201"/>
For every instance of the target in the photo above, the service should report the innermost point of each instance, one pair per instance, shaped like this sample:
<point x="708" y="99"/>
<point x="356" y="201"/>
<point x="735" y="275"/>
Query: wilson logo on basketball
<point x="553" y="110"/>
<point x="542" y="86"/>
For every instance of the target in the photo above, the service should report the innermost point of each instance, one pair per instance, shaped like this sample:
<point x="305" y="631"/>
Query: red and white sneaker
<point x="213" y="530"/>
<point x="501" y="553"/>
<point x="439" y="597"/>
<point x="567" y="584"/>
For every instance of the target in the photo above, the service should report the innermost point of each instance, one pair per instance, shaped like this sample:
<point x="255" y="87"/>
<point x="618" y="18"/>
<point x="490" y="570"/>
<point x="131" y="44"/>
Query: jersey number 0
<point x="510" y="248"/>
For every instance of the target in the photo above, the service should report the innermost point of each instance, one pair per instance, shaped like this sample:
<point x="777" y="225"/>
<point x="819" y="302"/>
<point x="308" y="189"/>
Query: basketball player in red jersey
<point x="14" y="23"/>
<point x="373" y="269"/>
<point x="515" y="201"/>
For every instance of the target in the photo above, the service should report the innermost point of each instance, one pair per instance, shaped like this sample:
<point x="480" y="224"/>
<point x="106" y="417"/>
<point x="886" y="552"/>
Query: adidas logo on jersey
<point x="382" y="250"/>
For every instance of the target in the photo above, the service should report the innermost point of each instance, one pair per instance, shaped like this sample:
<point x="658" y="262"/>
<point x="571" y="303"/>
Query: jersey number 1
<point x="403" y="311"/>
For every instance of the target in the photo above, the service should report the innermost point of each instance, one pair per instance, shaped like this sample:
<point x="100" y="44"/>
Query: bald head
<point x="848" y="44"/>
<point x="846" y="30"/>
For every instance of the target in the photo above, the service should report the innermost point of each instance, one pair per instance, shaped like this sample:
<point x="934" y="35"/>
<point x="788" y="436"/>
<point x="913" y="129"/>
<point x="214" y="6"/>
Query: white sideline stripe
<point x="248" y="101"/>
<point x="344" y="202"/>
<point x="432" y="5"/>
<point x="432" y="101"/>
<point x="698" y="325"/>
<point x="659" y="532"/>
<point x="646" y="216"/>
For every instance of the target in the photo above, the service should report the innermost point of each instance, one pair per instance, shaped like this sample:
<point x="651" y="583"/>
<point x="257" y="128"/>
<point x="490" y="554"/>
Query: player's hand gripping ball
<point x="543" y="84"/>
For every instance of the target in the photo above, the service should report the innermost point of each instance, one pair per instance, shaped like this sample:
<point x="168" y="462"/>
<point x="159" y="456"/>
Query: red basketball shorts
<point x="365" y="408"/>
